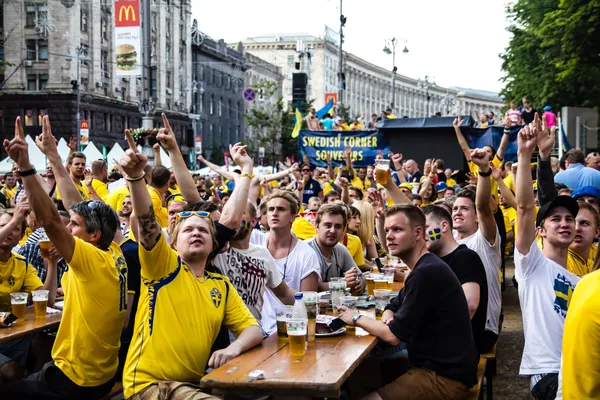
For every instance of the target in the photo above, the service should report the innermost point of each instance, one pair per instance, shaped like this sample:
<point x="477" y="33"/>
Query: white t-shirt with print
<point x="250" y="271"/>
<point x="545" y="289"/>
<point x="300" y="263"/>
<point x="491" y="258"/>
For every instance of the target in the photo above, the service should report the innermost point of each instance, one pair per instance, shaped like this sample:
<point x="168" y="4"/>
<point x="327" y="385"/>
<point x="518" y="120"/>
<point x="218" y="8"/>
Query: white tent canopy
<point x="92" y="154"/>
<point x="6" y="165"/>
<point x="36" y="157"/>
<point x="63" y="149"/>
<point x="114" y="154"/>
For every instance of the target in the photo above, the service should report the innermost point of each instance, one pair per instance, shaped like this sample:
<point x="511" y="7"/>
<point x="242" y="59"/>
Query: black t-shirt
<point x="467" y="267"/>
<point x="416" y="178"/>
<point x="528" y="116"/>
<point x="134" y="269"/>
<point x="431" y="316"/>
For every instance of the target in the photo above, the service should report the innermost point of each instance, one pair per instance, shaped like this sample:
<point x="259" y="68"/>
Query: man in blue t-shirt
<point x="311" y="186"/>
<point x="327" y="122"/>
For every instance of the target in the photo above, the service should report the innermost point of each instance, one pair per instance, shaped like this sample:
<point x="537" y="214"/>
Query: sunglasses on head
<point x="188" y="214"/>
<point x="94" y="205"/>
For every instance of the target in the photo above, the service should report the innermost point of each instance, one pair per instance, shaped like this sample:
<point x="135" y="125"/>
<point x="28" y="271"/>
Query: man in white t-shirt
<point x="475" y="227"/>
<point x="251" y="268"/>
<point x="545" y="284"/>
<point x="296" y="260"/>
<point x="334" y="258"/>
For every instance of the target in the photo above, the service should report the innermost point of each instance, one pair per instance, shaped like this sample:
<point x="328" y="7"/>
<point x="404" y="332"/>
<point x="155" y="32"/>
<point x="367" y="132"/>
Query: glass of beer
<point x="338" y="290"/>
<point x="349" y="302"/>
<point x="310" y="302"/>
<point x="296" y="330"/>
<point x="381" y="171"/>
<point x="40" y="303"/>
<point x="45" y="246"/>
<point x="382" y="298"/>
<point x="18" y="303"/>
<point x="380" y="283"/>
<point x="323" y="303"/>
<point x="370" y="278"/>
<point x="388" y="273"/>
<point x="283" y="314"/>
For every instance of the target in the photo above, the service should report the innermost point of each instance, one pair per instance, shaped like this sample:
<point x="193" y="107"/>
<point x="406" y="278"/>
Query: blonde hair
<point x="367" y="221"/>
<point x="286" y="195"/>
<point x="213" y="235"/>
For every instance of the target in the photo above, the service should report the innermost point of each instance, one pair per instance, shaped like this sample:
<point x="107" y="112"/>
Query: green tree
<point x="553" y="55"/>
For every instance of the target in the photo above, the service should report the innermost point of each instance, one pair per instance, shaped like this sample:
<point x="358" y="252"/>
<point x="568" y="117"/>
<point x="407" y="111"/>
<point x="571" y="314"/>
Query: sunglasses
<point x="93" y="205"/>
<point x="188" y="214"/>
<point x="306" y="170"/>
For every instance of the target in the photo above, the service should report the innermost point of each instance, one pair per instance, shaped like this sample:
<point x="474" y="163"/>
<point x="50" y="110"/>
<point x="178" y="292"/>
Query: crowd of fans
<point x="224" y="251"/>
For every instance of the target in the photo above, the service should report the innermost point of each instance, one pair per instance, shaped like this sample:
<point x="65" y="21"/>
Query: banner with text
<point x="364" y="144"/>
<point x="128" y="47"/>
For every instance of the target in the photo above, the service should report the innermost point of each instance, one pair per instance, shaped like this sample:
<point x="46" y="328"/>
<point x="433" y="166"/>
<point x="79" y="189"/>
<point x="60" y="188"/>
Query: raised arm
<point x="156" y="151"/>
<point x="509" y="197"/>
<point x="221" y="171"/>
<point x="47" y="144"/>
<point x="461" y="139"/>
<point x="133" y="163"/>
<point x="505" y="139"/>
<point x="234" y="209"/>
<point x="485" y="215"/>
<point x="545" y="177"/>
<point x="394" y="191"/>
<point x="183" y="177"/>
<point x="39" y="201"/>
<point x="527" y="141"/>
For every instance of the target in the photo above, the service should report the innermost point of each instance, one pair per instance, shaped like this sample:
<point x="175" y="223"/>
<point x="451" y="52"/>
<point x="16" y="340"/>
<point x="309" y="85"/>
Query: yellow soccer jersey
<point x="16" y="275"/>
<point x="303" y="229"/>
<point x="100" y="188"/>
<point x="161" y="213"/>
<point x="80" y="187"/>
<point x="450" y="182"/>
<point x="28" y="233"/>
<point x="8" y="192"/>
<point x="581" y="342"/>
<point x="178" y="319"/>
<point x="88" y="339"/>
<point x="116" y="197"/>
<point x="354" y="246"/>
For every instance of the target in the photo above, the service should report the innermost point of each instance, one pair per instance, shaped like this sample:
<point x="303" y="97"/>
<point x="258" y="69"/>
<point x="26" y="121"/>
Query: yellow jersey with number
<point x="87" y="344"/>
<point x="581" y="342"/>
<point x="178" y="319"/>
<point x="16" y="275"/>
<point x="80" y="187"/>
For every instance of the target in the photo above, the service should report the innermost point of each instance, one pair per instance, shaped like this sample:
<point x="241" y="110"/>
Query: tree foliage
<point x="553" y="56"/>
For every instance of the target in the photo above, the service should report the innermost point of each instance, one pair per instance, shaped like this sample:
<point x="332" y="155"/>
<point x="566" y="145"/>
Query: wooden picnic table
<point x="28" y="325"/>
<point x="328" y="362"/>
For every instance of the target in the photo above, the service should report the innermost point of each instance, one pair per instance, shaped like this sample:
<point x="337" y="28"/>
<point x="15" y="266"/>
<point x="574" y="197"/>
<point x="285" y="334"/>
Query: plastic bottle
<point x="299" y="310"/>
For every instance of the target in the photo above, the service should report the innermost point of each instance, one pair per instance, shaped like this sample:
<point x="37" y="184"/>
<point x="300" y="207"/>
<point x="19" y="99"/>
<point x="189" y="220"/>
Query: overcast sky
<point x="457" y="42"/>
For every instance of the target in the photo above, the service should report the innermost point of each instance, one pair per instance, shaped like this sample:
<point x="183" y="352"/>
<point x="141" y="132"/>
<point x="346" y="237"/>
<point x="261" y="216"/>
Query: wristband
<point x="139" y="178"/>
<point x="247" y="175"/>
<point x="506" y="131"/>
<point x="29" y="172"/>
<point x="484" y="174"/>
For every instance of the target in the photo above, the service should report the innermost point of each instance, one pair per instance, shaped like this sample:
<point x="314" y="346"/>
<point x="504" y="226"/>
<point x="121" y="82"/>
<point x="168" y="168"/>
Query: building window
<point x="229" y="135"/>
<point x="154" y="21"/>
<point x="201" y="103"/>
<point x="84" y="20"/>
<point x="168" y="53"/>
<point x="228" y="82"/>
<point x="104" y="60"/>
<point x="211" y="106"/>
<point x="168" y="79"/>
<point x="43" y="80"/>
<point x="41" y="114"/>
<point x="211" y="76"/>
<point x="104" y="29"/>
<point x="221" y="107"/>
<point x="290" y="61"/>
<point x="237" y="135"/>
<point x="42" y="49"/>
<point x="33" y="12"/>
<point x="28" y="117"/>
<point x="107" y="123"/>
<point x="168" y="104"/>
<point x="210" y="132"/>
<point x="37" y="50"/>
<point x="32" y="50"/>
<point x="31" y="82"/>
<point x="237" y="112"/>
<point x="230" y="111"/>
<point x="168" y="33"/>
<point x="201" y="74"/>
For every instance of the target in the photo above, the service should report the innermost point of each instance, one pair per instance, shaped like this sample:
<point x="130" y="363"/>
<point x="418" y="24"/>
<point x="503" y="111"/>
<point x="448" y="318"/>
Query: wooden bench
<point x="117" y="390"/>
<point x="490" y="370"/>
<point x="476" y="392"/>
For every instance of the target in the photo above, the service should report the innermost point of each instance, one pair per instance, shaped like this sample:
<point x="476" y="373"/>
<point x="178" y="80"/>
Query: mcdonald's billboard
<point x="128" y="49"/>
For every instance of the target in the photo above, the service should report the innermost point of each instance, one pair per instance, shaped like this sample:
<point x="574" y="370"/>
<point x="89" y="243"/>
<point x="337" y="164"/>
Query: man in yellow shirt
<point x="587" y="229"/>
<point x="85" y="352"/>
<point x="76" y="168"/>
<point x="10" y="185"/>
<point x="159" y="185"/>
<point x="98" y="189"/>
<point x="181" y="276"/>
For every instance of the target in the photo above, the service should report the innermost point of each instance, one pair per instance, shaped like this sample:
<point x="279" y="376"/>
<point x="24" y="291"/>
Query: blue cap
<point x="547" y="108"/>
<point x="298" y="296"/>
<point x="440" y="187"/>
<point x="586" y="191"/>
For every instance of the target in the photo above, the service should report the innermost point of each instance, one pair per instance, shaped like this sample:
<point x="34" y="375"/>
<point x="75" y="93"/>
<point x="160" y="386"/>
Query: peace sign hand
<point x="17" y="148"/>
<point x="133" y="162"/>
<point x="46" y="142"/>
<point x="165" y="135"/>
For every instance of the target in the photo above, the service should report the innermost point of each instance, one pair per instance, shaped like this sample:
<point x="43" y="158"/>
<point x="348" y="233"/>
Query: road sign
<point x="249" y="95"/>
<point x="198" y="144"/>
<point x="331" y="96"/>
<point x="84" y="131"/>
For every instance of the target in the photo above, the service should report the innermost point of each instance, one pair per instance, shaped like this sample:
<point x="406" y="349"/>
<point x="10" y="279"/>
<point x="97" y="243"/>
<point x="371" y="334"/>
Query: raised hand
<point x="46" y="142"/>
<point x="17" y="148"/>
<point x="165" y="135"/>
<point x="72" y="144"/>
<point x="133" y="162"/>
<point x="527" y="139"/>
<point x="200" y="158"/>
<point x="22" y="210"/>
<point x="240" y="156"/>
<point x="497" y="173"/>
<point x="545" y="140"/>
<point x="156" y="148"/>
<point x="457" y="122"/>
<point x="88" y="177"/>
<point x="481" y="158"/>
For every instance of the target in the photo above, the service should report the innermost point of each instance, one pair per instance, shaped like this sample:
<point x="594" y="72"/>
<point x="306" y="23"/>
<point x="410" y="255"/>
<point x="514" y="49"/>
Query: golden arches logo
<point x="126" y="10"/>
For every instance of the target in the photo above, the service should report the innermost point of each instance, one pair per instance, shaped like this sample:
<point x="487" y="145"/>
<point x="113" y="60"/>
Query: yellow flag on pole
<point x="298" y="125"/>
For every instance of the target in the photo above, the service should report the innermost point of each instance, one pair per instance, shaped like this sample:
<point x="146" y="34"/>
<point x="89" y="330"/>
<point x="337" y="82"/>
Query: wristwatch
<point x="356" y="318"/>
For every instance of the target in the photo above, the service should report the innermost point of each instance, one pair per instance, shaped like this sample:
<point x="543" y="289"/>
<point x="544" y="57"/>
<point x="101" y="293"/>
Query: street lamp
<point x="425" y="84"/>
<point x="392" y="43"/>
<point x="82" y="54"/>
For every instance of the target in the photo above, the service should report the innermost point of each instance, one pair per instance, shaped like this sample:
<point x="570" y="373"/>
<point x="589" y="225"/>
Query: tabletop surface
<point x="29" y="325"/>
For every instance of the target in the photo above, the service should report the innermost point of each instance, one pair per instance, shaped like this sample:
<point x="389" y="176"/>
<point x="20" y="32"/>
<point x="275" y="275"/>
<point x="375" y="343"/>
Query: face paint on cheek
<point x="434" y="234"/>
<point x="244" y="226"/>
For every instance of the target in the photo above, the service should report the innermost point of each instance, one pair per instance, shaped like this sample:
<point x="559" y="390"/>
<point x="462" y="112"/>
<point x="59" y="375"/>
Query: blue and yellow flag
<point x="298" y="125"/>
